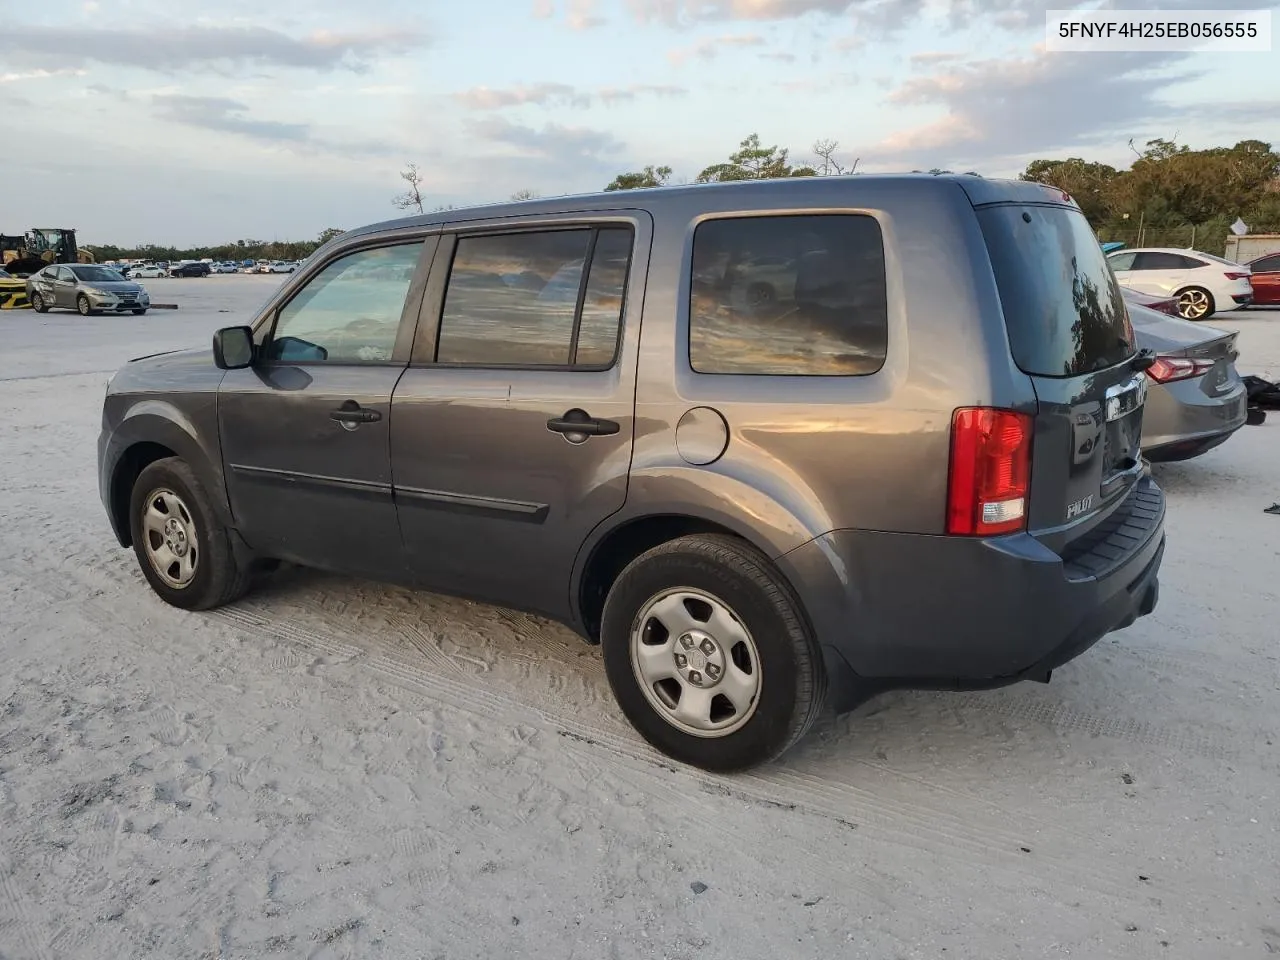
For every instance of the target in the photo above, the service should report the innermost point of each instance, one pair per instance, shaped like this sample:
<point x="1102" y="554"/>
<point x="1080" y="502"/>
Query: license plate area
<point x="1122" y="455"/>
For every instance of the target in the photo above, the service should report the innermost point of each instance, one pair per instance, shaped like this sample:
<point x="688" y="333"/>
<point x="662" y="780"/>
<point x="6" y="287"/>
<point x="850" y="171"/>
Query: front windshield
<point x="96" y="274"/>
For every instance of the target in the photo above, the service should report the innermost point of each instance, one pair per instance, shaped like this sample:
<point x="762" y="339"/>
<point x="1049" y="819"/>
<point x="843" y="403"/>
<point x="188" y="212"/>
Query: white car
<point x="224" y="268"/>
<point x="278" y="266"/>
<point x="148" y="270"/>
<point x="1201" y="283"/>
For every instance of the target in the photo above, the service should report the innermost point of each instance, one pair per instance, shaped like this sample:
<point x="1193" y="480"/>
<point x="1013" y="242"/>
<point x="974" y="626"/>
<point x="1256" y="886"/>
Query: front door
<point x="305" y="430"/>
<point x="63" y="287"/>
<point x="511" y="432"/>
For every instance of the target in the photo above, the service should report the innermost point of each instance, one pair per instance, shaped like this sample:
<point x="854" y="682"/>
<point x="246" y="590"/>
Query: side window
<point x="62" y="273"/>
<point x="1122" y="261"/>
<point x="1159" y="261"/>
<point x="349" y="312"/>
<point x="522" y="299"/>
<point x="1188" y="263"/>
<point x="789" y="295"/>
<point x="1267" y="264"/>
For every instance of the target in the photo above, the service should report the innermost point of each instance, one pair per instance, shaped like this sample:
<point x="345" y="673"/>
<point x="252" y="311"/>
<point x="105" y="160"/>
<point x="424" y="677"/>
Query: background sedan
<point x="1266" y="280"/>
<point x="88" y="288"/>
<point x="1195" y="397"/>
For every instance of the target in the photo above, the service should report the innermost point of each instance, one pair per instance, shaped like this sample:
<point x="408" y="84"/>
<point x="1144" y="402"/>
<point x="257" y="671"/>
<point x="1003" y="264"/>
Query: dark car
<point x="915" y="464"/>
<point x="190" y="270"/>
<point x="1266" y="280"/>
<point x="89" y="288"/>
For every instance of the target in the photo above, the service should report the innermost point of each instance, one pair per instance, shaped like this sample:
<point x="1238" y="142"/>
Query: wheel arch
<point x="615" y="545"/>
<point x="142" y="439"/>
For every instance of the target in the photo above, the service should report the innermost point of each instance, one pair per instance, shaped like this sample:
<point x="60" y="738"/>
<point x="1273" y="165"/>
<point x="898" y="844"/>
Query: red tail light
<point x="1237" y="276"/>
<point x="1169" y="369"/>
<point x="990" y="472"/>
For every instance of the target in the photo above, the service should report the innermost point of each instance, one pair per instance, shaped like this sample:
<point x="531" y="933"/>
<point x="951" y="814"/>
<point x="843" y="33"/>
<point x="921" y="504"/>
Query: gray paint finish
<point x="459" y="484"/>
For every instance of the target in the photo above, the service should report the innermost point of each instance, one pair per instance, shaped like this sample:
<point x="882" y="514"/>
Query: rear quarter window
<point x="1063" y="309"/>
<point x="788" y="296"/>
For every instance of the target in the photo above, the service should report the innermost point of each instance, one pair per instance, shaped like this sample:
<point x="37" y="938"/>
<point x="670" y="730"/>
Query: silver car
<point x="1196" y="399"/>
<point x="89" y="288"/>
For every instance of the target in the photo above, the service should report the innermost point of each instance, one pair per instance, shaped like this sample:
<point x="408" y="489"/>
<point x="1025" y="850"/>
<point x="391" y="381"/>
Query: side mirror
<point x="233" y="348"/>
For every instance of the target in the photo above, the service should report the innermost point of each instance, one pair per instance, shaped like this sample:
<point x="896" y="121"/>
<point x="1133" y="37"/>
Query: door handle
<point x="580" y="422"/>
<point x="352" y="413"/>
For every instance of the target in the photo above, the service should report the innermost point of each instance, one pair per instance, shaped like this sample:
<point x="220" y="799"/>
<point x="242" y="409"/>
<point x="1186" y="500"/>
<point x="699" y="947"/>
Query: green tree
<point x="1092" y="185"/>
<point x="412" y="197"/>
<point x="650" y="176"/>
<point x="752" y="161"/>
<point x="327" y="234"/>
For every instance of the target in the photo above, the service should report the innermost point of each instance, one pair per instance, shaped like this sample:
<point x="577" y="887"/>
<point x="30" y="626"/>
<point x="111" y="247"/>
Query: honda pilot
<point x="772" y="445"/>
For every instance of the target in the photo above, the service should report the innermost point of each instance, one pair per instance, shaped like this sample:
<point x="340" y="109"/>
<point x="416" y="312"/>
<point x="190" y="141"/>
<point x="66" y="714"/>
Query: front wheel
<point x="708" y="654"/>
<point x="183" y="548"/>
<point x="84" y="306"/>
<point x="1195" y="303"/>
<point x="38" y="304"/>
<point x="138" y="313"/>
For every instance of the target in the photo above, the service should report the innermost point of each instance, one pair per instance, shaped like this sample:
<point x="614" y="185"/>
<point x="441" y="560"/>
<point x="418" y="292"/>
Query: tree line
<point x="1170" y="195"/>
<point x="235" y="250"/>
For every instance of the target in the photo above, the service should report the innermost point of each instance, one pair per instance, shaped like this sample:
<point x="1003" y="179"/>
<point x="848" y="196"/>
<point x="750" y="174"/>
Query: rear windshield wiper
<point x="1143" y="359"/>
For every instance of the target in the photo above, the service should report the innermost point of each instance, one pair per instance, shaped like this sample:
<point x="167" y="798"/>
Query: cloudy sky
<point x="136" y="121"/>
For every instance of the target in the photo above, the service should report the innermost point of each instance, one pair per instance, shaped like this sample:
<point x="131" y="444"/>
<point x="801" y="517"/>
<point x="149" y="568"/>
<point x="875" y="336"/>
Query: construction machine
<point x="23" y="255"/>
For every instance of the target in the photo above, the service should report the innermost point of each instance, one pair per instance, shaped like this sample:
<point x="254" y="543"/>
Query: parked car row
<point x="202" y="268"/>
<point x="1200" y="283"/>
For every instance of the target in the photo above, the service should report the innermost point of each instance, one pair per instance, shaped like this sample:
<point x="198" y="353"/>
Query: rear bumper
<point x="1181" y="420"/>
<point x="910" y="610"/>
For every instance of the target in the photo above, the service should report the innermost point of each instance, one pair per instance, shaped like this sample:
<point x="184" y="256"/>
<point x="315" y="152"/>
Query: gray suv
<point x="773" y="445"/>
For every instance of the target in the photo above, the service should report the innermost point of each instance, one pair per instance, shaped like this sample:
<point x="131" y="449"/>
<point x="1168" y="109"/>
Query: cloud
<point x="553" y="142"/>
<point x="544" y="9"/>
<point x="930" y="57"/>
<point x="779" y="57"/>
<point x="559" y="94"/>
<point x="40" y="74"/>
<point x="1001" y="108"/>
<point x="171" y="50"/>
<point x="876" y="15"/>
<point x="582" y="15"/>
<point x="709" y="47"/>
<point x="227" y="116"/>
<point x="543" y="94"/>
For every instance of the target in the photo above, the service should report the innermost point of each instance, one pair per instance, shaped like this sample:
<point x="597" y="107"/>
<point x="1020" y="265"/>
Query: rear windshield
<point x="1062" y="305"/>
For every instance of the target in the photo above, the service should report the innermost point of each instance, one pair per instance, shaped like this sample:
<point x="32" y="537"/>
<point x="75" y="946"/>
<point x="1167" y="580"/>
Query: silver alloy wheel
<point x="170" y="533"/>
<point x="37" y="303"/>
<point x="1193" y="304"/>
<point x="696" y="662"/>
<point x="84" y="306"/>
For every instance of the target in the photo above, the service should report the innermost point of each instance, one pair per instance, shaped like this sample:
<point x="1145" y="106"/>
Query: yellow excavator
<point x="22" y="255"/>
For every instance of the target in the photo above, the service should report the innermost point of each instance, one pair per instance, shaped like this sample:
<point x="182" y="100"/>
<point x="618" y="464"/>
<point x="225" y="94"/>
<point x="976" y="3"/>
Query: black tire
<point x="793" y="680"/>
<point x="38" y="304"/>
<point x="84" y="307"/>
<point x="138" y="313"/>
<point x="218" y="577"/>
<point x="1204" y="301"/>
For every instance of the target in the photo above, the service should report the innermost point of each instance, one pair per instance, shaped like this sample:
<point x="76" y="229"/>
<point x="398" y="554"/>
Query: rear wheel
<point x="184" y="550"/>
<point x="708" y="654"/>
<point x="84" y="306"/>
<point x="1195" y="303"/>
<point x="38" y="304"/>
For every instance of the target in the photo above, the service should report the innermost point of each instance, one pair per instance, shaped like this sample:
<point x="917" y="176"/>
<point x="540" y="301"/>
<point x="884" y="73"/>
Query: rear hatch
<point x="1069" y="331"/>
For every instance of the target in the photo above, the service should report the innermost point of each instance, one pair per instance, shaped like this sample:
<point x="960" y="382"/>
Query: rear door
<point x="1070" y="333"/>
<point x="1157" y="273"/>
<point x="511" y="431"/>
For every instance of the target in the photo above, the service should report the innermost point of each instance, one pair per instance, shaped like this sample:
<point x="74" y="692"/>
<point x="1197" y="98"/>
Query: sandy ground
<point x="333" y="768"/>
